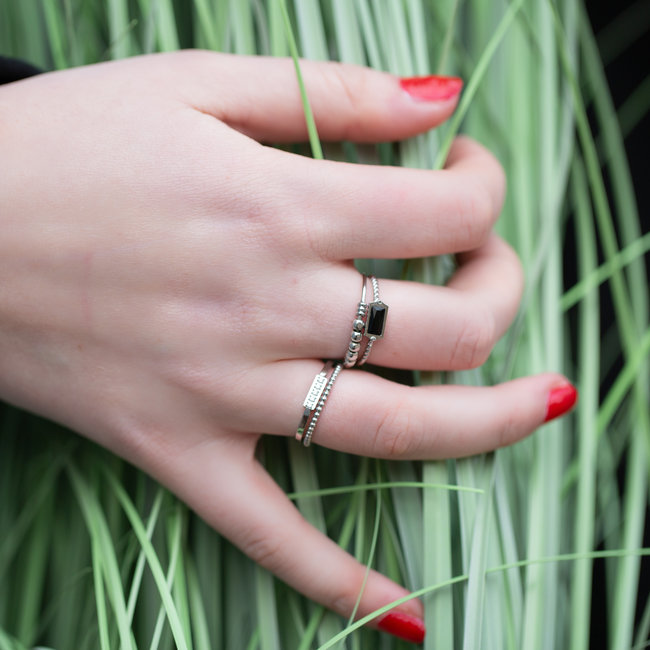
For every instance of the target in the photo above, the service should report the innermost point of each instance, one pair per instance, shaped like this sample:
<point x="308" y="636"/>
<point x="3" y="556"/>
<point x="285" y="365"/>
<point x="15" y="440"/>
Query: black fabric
<point x="15" y="69"/>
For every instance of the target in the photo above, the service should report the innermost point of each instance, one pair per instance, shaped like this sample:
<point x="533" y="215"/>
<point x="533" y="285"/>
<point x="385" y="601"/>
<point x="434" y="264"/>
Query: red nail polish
<point x="404" y="626"/>
<point x="560" y="400"/>
<point x="432" y="88"/>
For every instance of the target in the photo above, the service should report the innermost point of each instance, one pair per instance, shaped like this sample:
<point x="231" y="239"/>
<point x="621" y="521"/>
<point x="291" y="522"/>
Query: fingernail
<point x="403" y="626"/>
<point x="432" y="88"/>
<point x="561" y="399"/>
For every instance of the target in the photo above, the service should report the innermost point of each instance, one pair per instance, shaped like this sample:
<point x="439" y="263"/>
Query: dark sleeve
<point x="15" y="69"/>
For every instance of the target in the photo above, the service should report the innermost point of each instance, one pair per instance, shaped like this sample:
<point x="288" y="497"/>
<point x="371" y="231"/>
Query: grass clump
<point x="533" y="546"/>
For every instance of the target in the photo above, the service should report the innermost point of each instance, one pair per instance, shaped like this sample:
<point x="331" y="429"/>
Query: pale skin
<point x="162" y="277"/>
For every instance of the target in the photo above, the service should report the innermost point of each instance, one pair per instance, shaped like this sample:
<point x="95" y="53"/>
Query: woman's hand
<point x="169" y="286"/>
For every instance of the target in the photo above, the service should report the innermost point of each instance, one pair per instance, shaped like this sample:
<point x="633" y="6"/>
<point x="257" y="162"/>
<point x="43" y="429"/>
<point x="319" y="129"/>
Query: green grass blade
<point x="100" y="600"/>
<point x="312" y="32"/>
<point x="371" y="555"/>
<point x="369" y="35"/>
<point x="587" y="412"/>
<point x="393" y="485"/>
<point x="267" y="610"/>
<point x="630" y="24"/>
<point x="635" y="108"/>
<point x="152" y="561"/>
<point x="56" y="34"/>
<point x="604" y="272"/>
<point x="348" y="33"/>
<point x="198" y="616"/>
<point x="207" y="24"/>
<point x="241" y="21"/>
<point x="140" y="563"/>
<point x="439" y="611"/>
<point x="162" y="16"/>
<point x="105" y="562"/>
<point x="314" y="140"/>
<point x="477" y="565"/>
<point x="476" y="79"/>
<point x="119" y="26"/>
<point x="408" y="515"/>
<point x="35" y="574"/>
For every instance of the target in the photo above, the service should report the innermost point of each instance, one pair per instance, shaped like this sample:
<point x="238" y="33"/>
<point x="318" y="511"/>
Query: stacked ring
<point x="311" y="427"/>
<point x="375" y="320"/>
<point x="358" y="325"/>
<point x="370" y="321"/>
<point x="315" y="401"/>
<point x="312" y="399"/>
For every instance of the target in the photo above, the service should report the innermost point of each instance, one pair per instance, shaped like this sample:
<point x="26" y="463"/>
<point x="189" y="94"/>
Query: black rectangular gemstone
<point x="377" y="312"/>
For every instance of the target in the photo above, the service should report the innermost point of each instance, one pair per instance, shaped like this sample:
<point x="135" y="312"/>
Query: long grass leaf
<point x="140" y="563"/>
<point x="314" y="140"/>
<point x="105" y="562"/>
<point x="152" y="561"/>
<point x="475" y="599"/>
<point x="588" y="408"/>
<point x="476" y="79"/>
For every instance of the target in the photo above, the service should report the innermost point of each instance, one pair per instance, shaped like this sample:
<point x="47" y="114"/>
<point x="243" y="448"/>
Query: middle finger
<point x="428" y="327"/>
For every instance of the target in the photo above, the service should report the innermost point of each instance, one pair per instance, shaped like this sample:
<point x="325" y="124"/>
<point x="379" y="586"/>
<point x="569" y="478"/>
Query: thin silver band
<point x="306" y="440"/>
<point x="312" y="399"/>
<point x="358" y="325"/>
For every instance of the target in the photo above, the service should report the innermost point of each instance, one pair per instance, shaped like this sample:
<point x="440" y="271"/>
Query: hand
<point x="169" y="285"/>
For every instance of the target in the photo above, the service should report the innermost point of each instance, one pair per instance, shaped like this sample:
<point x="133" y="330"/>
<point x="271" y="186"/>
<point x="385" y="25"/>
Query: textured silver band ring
<point x="313" y="397"/>
<point x="358" y="325"/>
<point x="375" y="322"/>
<point x="321" y="405"/>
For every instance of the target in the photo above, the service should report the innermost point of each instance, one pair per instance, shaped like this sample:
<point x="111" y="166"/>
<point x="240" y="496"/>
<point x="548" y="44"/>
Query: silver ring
<point x="306" y="440"/>
<point x="358" y="325"/>
<point x="375" y="321"/>
<point x="312" y="399"/>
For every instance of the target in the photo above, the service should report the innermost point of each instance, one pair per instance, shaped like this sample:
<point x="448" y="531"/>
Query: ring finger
<point x="372" y="416"/>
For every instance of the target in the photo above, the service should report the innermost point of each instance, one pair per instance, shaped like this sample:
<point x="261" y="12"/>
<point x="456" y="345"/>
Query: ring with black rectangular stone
<point x="376" y="316"/>
<point x="312" y="399"/>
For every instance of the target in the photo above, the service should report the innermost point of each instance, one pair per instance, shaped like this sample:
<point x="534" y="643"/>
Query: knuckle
<point x="475" y="214"/>
<point x="349" y="89"/>
<point x="474" y="341"/>
<point x="343" y="602"/>
<point x="485" y="211"/>
<point x="398" y="432"/>
<point x="264" y="547"/>
<point x="509" y="431"/>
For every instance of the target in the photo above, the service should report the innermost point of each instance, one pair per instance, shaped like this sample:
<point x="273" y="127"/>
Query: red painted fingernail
<point x="561" y="399"/>
<point x="433" y="88"/>
<point x="403" y="626"/>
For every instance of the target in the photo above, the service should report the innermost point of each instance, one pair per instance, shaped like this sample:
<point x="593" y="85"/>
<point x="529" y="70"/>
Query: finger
<point x="371" y="416"/>
<point x="454" y="327"/>
<point x="260" y="97"/>
<point x="451" y="327"/>
<point x="224" y="484"/>
<point x="368" y="211"/>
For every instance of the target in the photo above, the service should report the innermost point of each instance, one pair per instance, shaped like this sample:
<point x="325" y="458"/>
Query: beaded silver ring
<point x="358" y="325"/>
<point x="306" y="440"/>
